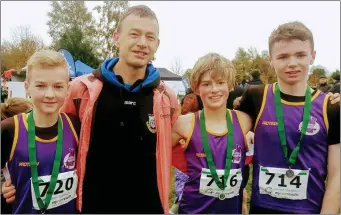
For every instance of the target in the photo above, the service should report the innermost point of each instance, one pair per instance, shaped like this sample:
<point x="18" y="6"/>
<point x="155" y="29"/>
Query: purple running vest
<point x="193" y="202"/>
<point x="313" y="153"/>
<point x="21" y="173"/>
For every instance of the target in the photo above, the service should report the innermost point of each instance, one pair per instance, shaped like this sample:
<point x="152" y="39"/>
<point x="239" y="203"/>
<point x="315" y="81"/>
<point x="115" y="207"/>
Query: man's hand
<point x="236" y="102"/>
<point x="334" y="98"/>
<point x="8" y="191"/>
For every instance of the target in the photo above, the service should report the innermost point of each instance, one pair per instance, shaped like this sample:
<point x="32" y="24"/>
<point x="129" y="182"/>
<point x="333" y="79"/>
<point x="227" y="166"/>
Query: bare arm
<point x="181" y="128"/>
<point x="331" y="199"/>
<point x="246" y="124"/>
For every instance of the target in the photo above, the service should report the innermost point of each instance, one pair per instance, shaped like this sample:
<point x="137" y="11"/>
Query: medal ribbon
<point x="33" y="162"/>
<point x="281" y="129"/>
<point x="208" y="153"/>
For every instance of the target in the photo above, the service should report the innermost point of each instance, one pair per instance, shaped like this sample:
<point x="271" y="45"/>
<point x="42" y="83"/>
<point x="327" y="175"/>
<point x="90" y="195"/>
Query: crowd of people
<point x="106" y="141"/>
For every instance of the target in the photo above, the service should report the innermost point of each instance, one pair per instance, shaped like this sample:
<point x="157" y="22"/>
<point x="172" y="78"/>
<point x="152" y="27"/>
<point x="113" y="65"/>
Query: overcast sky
<point x="189" y="30"/>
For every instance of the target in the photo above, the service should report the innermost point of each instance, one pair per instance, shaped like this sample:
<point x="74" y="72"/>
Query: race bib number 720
<point x="64" y="192"/>
<point x="277" y="183"/>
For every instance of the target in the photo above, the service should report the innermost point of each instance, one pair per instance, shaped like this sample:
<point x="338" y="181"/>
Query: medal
<point x="289" y="173"/>
<point x="222" y="196"/>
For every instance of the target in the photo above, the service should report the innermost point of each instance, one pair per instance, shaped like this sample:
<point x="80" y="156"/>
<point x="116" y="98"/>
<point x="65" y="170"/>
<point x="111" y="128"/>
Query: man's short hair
<point x="138" y="10"/>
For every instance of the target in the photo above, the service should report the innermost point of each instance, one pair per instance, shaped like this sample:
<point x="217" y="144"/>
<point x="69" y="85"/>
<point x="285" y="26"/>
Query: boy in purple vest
<point x="215" y="142"/>
<point x="297" y="132"/>
<point x="40" y="146"/>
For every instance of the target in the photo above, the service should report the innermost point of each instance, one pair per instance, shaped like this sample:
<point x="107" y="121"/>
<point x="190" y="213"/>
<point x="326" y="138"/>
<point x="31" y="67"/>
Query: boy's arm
<point x="331" y="199"/>
<point x="182" y="128"/>
<point x="7" y="136"/>
<point x="246" y="124"/>
<point x="251" y="101"/>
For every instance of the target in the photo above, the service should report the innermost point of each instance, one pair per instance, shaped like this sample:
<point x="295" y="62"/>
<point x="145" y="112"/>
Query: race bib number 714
<point x="277" y="183"/>
<point x="64" y="192"/>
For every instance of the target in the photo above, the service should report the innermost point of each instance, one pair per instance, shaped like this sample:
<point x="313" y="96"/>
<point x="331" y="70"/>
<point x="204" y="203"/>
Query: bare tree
<point x="176" y="66"/>
<point x="16" y="52"/>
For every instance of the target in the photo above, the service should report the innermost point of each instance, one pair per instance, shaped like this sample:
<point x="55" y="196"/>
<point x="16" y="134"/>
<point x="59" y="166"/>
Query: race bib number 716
<point x="209" y="187"/>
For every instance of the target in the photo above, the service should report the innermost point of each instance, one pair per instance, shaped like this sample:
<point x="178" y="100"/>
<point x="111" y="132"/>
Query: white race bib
<point x="208" y="186"/>
<point x="276" y="183"/>
<point x="64" y="192"/>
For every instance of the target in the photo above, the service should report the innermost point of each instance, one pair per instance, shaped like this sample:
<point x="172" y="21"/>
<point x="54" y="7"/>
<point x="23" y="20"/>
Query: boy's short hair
<point x="138" y="10"/>
<point x="219" y="66"/>
<point x="45" y="59"/>
<point x="291" y="31"/>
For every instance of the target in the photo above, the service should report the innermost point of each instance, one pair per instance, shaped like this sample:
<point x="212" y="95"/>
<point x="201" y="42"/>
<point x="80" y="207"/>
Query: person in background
<point x="323" y="85"/>
<point x="255" y="74"/>
<point x="336" y="86"/>
<point x="11" y="107"/>
<point x="244" y="83"/>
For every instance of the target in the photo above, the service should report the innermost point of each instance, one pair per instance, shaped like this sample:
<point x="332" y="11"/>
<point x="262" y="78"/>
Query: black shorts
<point x="246" y="175"/>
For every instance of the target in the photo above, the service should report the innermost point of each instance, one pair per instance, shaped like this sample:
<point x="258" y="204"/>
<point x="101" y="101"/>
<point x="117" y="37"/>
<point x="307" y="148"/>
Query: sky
<point x="189" y="30"/>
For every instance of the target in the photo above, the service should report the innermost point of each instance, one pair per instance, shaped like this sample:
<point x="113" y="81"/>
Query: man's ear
<point x="116" y="38"/>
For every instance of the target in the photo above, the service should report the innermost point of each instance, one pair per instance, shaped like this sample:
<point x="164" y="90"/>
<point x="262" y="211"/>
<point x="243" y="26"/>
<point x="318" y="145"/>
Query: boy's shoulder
<point x="74" y="121"/>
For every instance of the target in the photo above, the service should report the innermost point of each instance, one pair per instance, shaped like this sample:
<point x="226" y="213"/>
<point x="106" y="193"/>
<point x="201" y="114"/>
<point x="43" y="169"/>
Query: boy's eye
<point x="39" y="85"/>
<point x="59" y="87"/>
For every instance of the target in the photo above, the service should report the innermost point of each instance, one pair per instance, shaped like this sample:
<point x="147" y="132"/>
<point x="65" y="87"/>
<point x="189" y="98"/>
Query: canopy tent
<point x="167" y="75"/>
<point x="82" y="68"/>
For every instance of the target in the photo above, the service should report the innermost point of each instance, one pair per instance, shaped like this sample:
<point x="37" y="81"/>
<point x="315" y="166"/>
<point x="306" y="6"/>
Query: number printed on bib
<point x="64" y="192"/>
<point x="208" y="186"/>
<point x="276" y="183"/>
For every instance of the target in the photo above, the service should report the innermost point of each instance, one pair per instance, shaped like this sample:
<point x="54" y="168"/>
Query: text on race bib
<point x="277" y="183"/>
<point x="209" y="187"/>
<point x="64" y="192"/>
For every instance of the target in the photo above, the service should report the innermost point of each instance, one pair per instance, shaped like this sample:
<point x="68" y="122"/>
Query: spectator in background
<point x="4" y="90"/>
<point x="255" y="78"/>
<point x="191" y="103"/>
<point x="244" y="83"/>
<point x="13" y="106"/>
<point x="323" y="85"/>
<point x="336" y="87"/>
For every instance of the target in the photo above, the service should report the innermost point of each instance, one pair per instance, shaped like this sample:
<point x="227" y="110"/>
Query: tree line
<point x="88" y="36"/>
